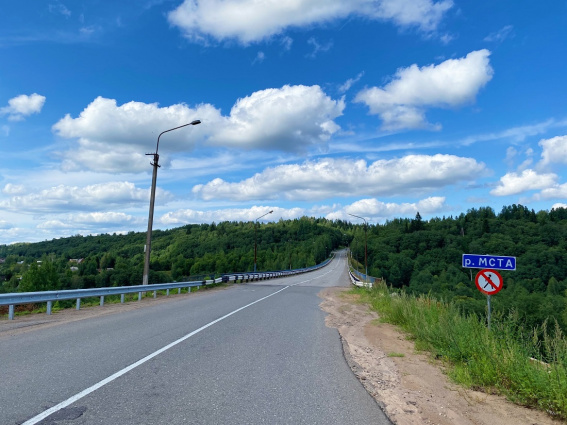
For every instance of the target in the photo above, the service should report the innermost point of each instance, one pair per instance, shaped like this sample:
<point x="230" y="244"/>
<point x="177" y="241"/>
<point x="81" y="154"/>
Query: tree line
<point x="425" y="257"/>
<point x="415" y="255"/>
<point x="190" y="252"/>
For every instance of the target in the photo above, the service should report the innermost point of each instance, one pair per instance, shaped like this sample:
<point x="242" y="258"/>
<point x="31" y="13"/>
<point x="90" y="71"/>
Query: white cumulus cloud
<point x="251" y="21"/>
<point x="554" y="150"/>
<point x="557" y="191"/>
<point x="117" y="218"/>
<point x="402" y="102"/>
<point x="378" y="210"/>
<point x="289" y="119"/>
<point x="92" y="197"/>
<point x="115" y="138"/>
<point x="329" y="178"/>
<point x="13" y="189"/>
<point x="22" y="106"/>
<point x="514" y="183"/>
<point x="91" y="223"/>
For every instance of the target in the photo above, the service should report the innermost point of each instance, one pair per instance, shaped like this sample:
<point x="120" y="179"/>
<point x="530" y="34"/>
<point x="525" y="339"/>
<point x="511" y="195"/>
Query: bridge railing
<point x="18" y="298"/>
<point x="360" y="279"/>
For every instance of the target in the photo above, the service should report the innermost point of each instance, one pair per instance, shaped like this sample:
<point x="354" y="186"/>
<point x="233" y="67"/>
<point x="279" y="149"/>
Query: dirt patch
<point x="411" y="387"/>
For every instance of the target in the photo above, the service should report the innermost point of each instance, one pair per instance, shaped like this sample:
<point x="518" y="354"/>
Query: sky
<point x="323" y="108"/>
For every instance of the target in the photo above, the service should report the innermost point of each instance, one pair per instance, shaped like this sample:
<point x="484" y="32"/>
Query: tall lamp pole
<point x="152" y="200"/>
<point x="255" y="248"/>
<point x="365" y="245"/>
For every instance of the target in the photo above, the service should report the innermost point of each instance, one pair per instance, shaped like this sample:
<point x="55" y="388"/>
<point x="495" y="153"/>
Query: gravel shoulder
<point x="410" y="386"/>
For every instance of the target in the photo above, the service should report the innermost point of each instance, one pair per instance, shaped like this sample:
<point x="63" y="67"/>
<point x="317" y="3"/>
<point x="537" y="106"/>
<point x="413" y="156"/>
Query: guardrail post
<point x="49" y="307"/>
<point x="155" y="294"/>
<point x="11" y="312"/>
<point x="178" y="291"/>
<point x="78" y="304"/>
<point x="102" y="300"/>
<point x="121" y="298"/>
<point x="167" y="293"/>
<point x="139" y="296"/>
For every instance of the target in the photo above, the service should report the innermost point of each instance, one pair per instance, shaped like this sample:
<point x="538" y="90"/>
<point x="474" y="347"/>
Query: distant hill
<point x="415" y="255"/>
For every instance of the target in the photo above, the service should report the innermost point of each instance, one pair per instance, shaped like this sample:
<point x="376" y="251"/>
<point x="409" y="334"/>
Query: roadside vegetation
<point x="527" y="365"/>
<point x="424" y="258"/>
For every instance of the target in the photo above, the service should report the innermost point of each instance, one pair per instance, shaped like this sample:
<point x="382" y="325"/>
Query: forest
<point x="191" y="252"/>
<point x="412" y="255"/>
<point x="425" y="257"/>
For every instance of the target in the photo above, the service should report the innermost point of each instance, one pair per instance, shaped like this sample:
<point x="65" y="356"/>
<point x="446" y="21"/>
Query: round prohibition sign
<point x="489" y="281"/>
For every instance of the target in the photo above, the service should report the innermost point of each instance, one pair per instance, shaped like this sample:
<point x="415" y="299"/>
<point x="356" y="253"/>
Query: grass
<point x="505" y="360"/>
<point x="394" y="354"/>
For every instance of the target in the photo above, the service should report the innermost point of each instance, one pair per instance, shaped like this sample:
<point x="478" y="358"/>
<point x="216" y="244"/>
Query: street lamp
<point x="255" y="248"/>
<point x="365" y="245"/>
<point x="152" y="199"/>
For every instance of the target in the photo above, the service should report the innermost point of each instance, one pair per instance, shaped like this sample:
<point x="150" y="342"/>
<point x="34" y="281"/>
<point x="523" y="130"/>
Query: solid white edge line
<point x="118" y="374"/>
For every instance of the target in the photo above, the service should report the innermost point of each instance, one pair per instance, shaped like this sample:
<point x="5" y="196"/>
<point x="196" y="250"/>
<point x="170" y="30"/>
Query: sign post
<point x="489" y="282"/>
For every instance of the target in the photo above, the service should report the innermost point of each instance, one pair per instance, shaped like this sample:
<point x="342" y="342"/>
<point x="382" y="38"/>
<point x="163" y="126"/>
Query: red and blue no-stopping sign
<point x="489" y="281"/>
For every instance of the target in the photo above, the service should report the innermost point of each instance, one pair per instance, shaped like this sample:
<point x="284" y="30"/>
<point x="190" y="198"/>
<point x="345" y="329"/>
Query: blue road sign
<point x="474" y="261"/>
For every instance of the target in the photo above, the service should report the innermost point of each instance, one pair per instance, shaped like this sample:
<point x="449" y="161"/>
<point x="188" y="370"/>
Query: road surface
<point x="256" y="353"/>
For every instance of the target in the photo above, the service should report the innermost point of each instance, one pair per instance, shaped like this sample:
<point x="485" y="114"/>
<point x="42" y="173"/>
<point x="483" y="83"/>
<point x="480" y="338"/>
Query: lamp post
<point x="255" y="248"/>
<point x="152" y="200"/>
<point x="365" y="246"/>
<point x="289" y="245"/>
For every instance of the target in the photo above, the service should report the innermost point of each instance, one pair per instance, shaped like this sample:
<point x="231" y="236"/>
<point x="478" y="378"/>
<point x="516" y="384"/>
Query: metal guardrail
<point x="362" y="276"/>
<point x="357" y="282"/>
<point x="359" y="279"/>
<point x="49" y="297"/>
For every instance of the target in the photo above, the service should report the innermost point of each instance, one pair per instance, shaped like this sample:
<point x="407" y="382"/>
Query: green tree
<point x="40" y="277"/>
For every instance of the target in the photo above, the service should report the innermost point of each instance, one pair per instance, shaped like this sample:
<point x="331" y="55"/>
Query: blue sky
<point x="378" y="108"/>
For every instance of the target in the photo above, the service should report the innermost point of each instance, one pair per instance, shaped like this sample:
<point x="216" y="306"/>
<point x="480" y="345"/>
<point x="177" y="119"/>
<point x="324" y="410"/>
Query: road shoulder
<point x="411" y="387"/>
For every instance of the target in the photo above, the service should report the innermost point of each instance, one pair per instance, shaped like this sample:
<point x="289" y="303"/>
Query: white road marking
<point x="140" y="362"/>
<point x="127" y="369"/>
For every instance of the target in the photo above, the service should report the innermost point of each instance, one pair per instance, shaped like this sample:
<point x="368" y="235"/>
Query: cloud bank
<point x="115" y="138"/>
<point x="328" y="178"/>
<point x="250" y="21"/>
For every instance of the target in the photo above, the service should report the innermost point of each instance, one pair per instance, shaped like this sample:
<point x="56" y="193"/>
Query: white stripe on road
<point x="127" y="369"/>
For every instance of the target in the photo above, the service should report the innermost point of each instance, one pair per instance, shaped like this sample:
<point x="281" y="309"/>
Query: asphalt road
<point x="256" y="353"/>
